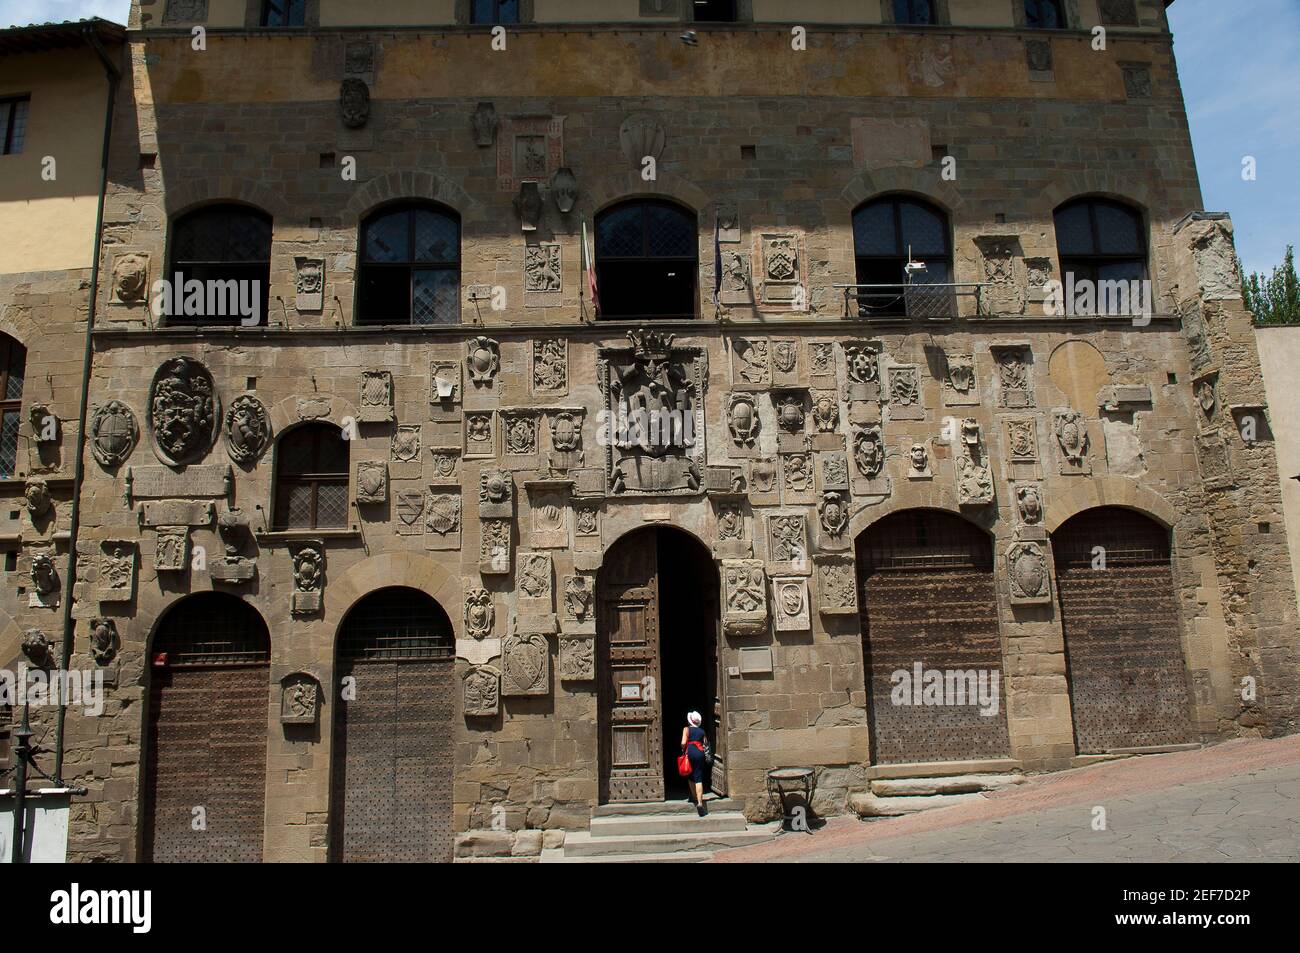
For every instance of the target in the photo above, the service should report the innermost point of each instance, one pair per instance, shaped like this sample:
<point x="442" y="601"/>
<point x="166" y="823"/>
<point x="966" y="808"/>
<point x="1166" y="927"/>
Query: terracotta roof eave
<point x="45" y="37"/>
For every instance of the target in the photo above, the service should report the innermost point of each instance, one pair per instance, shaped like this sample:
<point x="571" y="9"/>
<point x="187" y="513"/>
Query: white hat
<point x="694" y="718"/>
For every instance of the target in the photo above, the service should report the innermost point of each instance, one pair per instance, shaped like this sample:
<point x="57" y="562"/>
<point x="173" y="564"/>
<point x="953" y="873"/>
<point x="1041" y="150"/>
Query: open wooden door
<point x="631" y="724"/>
<point x="718" y="727"/>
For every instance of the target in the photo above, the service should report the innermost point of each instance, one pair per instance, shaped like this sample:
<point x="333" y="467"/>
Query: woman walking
<point x="694" y="741"/>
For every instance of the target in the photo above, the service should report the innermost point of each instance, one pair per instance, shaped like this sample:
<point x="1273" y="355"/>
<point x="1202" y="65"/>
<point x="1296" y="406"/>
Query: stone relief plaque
<point x="444" y="465"/>
<point x="104" y="640"/>
<point x="653" y="397"/>
<point x="299" y="699"/>
<point x="751" y="364"/>
<point x="765" y="482"/>
<point x="862" y="365"/>
<point x="162" y="483"/>
<point x="542" y="275"/>
<point x="791" y="604"/>
<point x="1013" y="364"/>
<point x="744" y="597"/>
<point x="1214" y="460"/>
<point x="550" y="366"/>
<point x="905" y="402"/>
<point x="184" y="411"/>
<point x="445" y="389"/>
<point x="781" y="287"/>
<point x="959" y="381"/>
<point x="113" y="433"/>
<point x="519" y="432"/>
<point x="787" y="542"/>
<point x="550" y="517"/>
<point x="836" y="586"/>
<point x="480" y="615"/>
<point x="495" y="546"/>
<point x="577" y="658"/>
<point x="309" y="284"/>
<point x="130" y="279"/>
<point x="578" y="608"/>
<point x="1020" y="446"/>
<point x="833" y="520"/>
<point x="1072" y="442"/>
<point x="248" y="429"/>
<point x="1002" y="294"/>
<point x="534" y="581"/>
<point x="442" y="521"/>
<point x="529" y="149"/>
<point x="743" y="424"/>
<point x="480" y="435"/>
<point x="308" y="576"/>
<point x="173" y="549"/>
<point x="918" y="461"/>
<point x="155" y="513"/>
<point x="1028" y="577"/>
<point x="405" y="452"/>
<point x="408" y="507"/>
<point x="586" y="520"/>
<point x="372" y="482"/>
<point x="481" y="695"/>
<point x="833" y="473"/>
<point x="821" y="362"/>
<point x="376" y="397"/>
<point x="496" y="493"/>
<point x="565" y="427"/>
<point x="525" y="665"/>
<point x="117" y="558"/>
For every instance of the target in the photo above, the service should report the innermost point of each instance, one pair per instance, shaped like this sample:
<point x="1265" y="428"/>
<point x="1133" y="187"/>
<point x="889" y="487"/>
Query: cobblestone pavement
<point x="1238" y="801"/>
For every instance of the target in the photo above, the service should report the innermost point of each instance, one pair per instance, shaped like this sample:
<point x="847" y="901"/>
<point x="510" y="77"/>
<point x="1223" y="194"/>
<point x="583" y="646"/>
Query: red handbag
<point x="684" y="761"/>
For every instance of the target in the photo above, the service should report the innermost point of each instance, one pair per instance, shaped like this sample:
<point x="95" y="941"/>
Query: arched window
<point x="915" y="12"/>
<point x="284" y="13"/>
<point x="1045" y="15"/>
<point x="715" y="11"/>
<point x="13" y="364"/>
<point x="228" y="249"/>
<point x="1100" y="240"/>
<point x="211" y="628"/>
<point x="410" y="266"/>
<point x="885" y="232"/>
<point x="647" y="258"/>
<point x="396" y="623"/>
<point x="311" y="478"/>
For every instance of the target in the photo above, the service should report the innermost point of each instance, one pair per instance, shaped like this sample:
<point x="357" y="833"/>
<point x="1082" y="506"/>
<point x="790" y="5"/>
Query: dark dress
<point x="698" y="767"/>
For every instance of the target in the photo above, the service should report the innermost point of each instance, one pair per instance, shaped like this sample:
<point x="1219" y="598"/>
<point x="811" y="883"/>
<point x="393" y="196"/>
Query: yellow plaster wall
<point x="49" y="225"/>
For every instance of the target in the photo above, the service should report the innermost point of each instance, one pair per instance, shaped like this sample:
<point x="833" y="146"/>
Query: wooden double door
<point x="659" y="628"/>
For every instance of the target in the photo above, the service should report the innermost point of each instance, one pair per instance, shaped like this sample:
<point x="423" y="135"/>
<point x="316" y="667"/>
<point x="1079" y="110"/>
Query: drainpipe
<point x="114" y="76"/>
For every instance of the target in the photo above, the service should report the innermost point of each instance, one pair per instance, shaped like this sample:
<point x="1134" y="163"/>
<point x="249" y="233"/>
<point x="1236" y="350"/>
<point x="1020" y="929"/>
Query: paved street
<point x="1238" y="801"/>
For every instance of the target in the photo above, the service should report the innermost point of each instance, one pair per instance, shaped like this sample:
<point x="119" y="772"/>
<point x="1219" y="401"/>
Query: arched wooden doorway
<point x="658" y="626"/>
<point x="393" y="731"/>
<point x="1123" y="647"/>
<point x="205" y="783"/>
<point x="929" y="605"/>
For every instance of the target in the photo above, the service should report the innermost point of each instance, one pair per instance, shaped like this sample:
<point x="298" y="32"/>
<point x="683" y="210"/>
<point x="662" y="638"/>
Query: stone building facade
<point x="390" y="546"/>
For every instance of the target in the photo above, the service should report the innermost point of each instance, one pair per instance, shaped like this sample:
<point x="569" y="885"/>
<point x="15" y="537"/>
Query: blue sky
<point x="1241" y="78"/>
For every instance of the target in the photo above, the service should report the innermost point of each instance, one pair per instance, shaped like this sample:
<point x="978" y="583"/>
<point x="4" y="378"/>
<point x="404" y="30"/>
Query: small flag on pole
<point x="591" y="272"/>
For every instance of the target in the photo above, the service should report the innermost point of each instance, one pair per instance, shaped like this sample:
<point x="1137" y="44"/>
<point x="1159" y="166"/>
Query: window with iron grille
<point x="886" y="232"/>
<point x="311" y="478"/>
<point x="915" y="12"/>
<point x="647" y="259"/>
<point x="284" y="13"/>
<point x="494" y="11"/>
<point x="410" y="266"/>
<point x="13" y="362"/>
<point x="1045" y="15"/>
<point x="1100" y="240"/>
<point x="396" y="623"/>
<point x="211" y="628"/>
<point x="925" y="539"/>
<point x="13" y="123"/>
<point x="217" y="245"/>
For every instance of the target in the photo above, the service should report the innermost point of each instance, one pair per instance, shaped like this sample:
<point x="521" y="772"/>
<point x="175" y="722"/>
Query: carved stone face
<point x="37" y="495"/>
<point x="920" y="456"/>
<point x="43" y="576"/>
<point x="1031" y="504"/>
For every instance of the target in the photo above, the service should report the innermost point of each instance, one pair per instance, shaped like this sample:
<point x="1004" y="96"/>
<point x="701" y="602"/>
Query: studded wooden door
<point x="929" y="609"/>
<point x="631" y="728"/>
<point x="393" y="732"/>
<point x="205" y="775"/>
<point x="1128" y="679"/>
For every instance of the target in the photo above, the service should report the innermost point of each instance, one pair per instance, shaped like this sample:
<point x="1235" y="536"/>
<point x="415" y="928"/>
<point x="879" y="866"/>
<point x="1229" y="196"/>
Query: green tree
<point x="1276" y="299"/>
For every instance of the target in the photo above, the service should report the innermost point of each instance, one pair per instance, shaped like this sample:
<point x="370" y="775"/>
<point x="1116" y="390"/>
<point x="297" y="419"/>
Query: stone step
<point x="674" y="823"/>
<point x="558" y="856"/>
<point x="681" y="806"/>
<point x="869" y="805"/>
<point x="583" y="844"/>
<point x="961" y="784"/>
